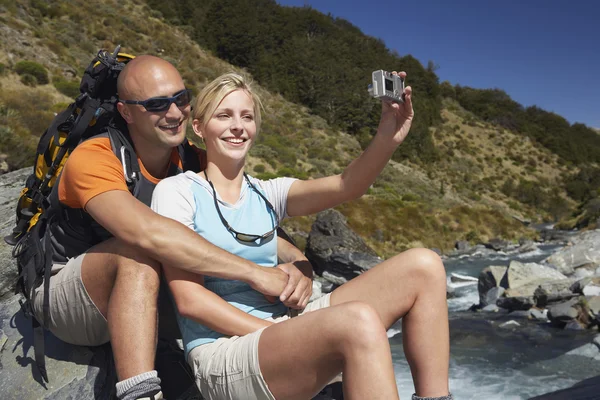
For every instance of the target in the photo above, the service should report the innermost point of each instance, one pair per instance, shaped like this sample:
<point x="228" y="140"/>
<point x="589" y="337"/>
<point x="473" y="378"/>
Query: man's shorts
<point x="74" y="318"/>
<point x="227" y="369"/>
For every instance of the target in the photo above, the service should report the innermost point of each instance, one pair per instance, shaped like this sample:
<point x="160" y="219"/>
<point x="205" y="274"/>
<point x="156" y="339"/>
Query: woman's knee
<point x="359" y="324"/>
<point x="427" y="264"/>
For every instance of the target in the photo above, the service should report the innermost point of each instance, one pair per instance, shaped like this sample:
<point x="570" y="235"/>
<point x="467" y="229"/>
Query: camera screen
<point x="389" y="85"/>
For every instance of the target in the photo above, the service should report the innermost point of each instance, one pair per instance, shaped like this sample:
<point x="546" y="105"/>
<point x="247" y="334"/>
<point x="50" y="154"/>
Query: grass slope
<point x="458" y="197"/>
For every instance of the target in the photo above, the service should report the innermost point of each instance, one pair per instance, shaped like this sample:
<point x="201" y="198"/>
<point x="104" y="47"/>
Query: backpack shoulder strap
<point x="124" y="151"/>
<point x="189" y="157"/>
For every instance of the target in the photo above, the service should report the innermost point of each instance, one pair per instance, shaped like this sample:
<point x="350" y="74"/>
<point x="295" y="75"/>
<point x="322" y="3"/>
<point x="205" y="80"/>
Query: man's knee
<point x="115" y="254"/>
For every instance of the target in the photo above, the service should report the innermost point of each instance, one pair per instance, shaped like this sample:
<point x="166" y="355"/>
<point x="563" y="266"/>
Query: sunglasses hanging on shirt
<point x="245" y="237"/>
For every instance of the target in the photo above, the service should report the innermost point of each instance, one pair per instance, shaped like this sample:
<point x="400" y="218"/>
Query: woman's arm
<point x="195" y="302"/>
<point x="311" y="196"/>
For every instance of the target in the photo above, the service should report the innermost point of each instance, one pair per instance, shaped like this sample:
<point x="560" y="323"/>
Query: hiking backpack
<point x="91" y="114"/>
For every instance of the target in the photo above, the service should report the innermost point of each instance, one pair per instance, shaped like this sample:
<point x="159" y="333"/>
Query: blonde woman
<point x="242" y="345"/>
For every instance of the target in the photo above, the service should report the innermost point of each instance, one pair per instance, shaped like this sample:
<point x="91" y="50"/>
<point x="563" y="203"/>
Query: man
<point x="113" y="245"/>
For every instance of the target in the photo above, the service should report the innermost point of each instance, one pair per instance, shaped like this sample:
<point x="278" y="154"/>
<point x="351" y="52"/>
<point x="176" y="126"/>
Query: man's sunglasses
<point x="245" y="237"/>
<point x="159" y="104"/>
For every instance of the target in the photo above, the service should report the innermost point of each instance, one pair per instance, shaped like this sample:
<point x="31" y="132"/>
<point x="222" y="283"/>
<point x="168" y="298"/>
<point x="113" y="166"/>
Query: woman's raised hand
<point x="396" y="118"/>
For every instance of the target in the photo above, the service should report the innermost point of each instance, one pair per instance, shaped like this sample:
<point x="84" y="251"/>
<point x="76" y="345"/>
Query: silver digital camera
<point x="387" y="86"/>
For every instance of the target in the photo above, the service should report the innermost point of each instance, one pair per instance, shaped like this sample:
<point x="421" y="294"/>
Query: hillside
<point x="482" y="175"/>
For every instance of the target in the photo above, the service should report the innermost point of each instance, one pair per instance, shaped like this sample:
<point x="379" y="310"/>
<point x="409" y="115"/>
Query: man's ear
<point x="125" y="112"/>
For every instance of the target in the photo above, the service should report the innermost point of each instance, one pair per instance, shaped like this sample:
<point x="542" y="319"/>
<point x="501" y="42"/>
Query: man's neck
<point x="155" y="159"/>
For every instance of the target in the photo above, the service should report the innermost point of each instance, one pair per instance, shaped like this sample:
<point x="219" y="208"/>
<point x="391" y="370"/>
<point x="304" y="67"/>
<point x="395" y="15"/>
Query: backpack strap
<point x="188" y="156"/>
<point x="35" y="264"/>
<point x="38" y="329"/>
<point x="126" y="154"/>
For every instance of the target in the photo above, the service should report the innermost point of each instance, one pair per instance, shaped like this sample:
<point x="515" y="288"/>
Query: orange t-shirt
<point x="93" y="169"/>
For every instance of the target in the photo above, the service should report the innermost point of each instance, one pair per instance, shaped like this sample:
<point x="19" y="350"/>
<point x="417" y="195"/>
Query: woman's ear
<point x="197" y="127"/>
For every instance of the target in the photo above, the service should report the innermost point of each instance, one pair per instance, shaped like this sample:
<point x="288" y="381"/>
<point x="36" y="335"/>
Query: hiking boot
<point x="152" y="396"/>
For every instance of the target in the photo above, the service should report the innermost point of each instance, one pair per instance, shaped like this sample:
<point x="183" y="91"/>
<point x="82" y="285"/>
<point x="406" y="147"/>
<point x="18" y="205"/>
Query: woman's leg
<point x="411" y="286"/>
<point x="298" y="357"/>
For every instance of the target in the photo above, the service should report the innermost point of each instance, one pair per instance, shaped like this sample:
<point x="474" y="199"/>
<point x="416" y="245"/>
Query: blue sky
<point x="544" y="53"/>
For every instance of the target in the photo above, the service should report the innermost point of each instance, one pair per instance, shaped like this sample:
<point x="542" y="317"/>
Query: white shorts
<point x="228" y="369"/>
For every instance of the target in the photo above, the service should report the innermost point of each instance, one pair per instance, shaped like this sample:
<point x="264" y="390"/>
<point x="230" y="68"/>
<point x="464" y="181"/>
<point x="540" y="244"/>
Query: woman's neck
<point x="227" y="181"/>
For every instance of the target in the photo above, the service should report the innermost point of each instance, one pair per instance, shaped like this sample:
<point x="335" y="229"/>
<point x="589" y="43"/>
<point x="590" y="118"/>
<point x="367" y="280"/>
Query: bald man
<point x="110" y="245"/>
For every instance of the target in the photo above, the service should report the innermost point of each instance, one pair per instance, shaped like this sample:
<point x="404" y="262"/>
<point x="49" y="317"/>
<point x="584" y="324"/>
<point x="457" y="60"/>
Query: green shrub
<point x="2" y="69"/>
<point x="260" y="168"/>
<point x="32" y="68"/>
<point x="68" y="88"/>
<point x="410" y="197"/>
<point x="266" y="176"/>
<point x="29" y="80"/>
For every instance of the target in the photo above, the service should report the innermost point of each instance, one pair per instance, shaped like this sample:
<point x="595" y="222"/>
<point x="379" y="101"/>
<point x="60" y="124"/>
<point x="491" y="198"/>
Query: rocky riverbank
<point x="520" y="305"/>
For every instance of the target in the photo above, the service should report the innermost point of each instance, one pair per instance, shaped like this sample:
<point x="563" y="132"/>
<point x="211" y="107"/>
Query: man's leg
<point x="124" y="284"/>
<point x="411" y="286"/>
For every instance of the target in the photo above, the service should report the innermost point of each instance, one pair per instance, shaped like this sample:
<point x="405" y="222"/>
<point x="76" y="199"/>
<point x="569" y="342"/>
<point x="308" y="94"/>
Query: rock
<point x="578" y="286"/>
<point x="551" y="235"/>
<point x="497" y="244"/>
<point x="74" y="372"/>
<point x="491" y="308"/>
<point x="492" y="296"/>
<point x="462" y="245"/>
<point x="574" y="325"/>
<point x="316" y="290"/>
<point x="593" y="303"/>
<point x="527" y="247"/>
<point x="539" y="315"/>
<point x="555" y="288"/>
<point x="519" y="274"/>
<point x="586" y="250"/>
<point x="334" y="279"/>
<point x="515" y="303"/>
<point x="490" y="277"/>
<point x="327" y="287"/>
<point x="563" y="312"/>
<point x="524" y="314"/>
<point x="591" y="290"/>
<point x="335" y="251"/>
<point x="582" y="273"/>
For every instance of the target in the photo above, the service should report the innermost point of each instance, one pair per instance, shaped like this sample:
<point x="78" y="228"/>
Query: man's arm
<point x="296" y="265"/>
<point x="172" y="243"/>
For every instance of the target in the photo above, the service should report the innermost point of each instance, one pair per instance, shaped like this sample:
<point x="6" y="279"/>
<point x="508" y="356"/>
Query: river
<point x="494" y="363"/>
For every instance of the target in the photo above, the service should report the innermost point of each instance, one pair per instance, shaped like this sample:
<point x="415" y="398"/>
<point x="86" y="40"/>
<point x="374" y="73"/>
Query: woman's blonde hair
<point x="211" y="96"/>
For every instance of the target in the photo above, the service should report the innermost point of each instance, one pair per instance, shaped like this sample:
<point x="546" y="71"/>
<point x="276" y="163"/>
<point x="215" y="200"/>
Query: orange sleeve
<point x="91" y="169"/>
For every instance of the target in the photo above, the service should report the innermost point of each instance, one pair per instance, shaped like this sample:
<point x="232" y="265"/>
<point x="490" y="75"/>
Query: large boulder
<point x="336" y="252"/>
<point x="489" y="278"/>
<point x="584" y="251"/>
<point x="519" y="274"/>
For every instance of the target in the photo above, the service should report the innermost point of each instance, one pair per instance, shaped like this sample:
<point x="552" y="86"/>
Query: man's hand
<point x="269" y="281"/>
<point x="299" y="286"/>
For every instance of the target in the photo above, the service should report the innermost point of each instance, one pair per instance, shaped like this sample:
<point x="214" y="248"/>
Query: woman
<point x="240" y="344"/>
